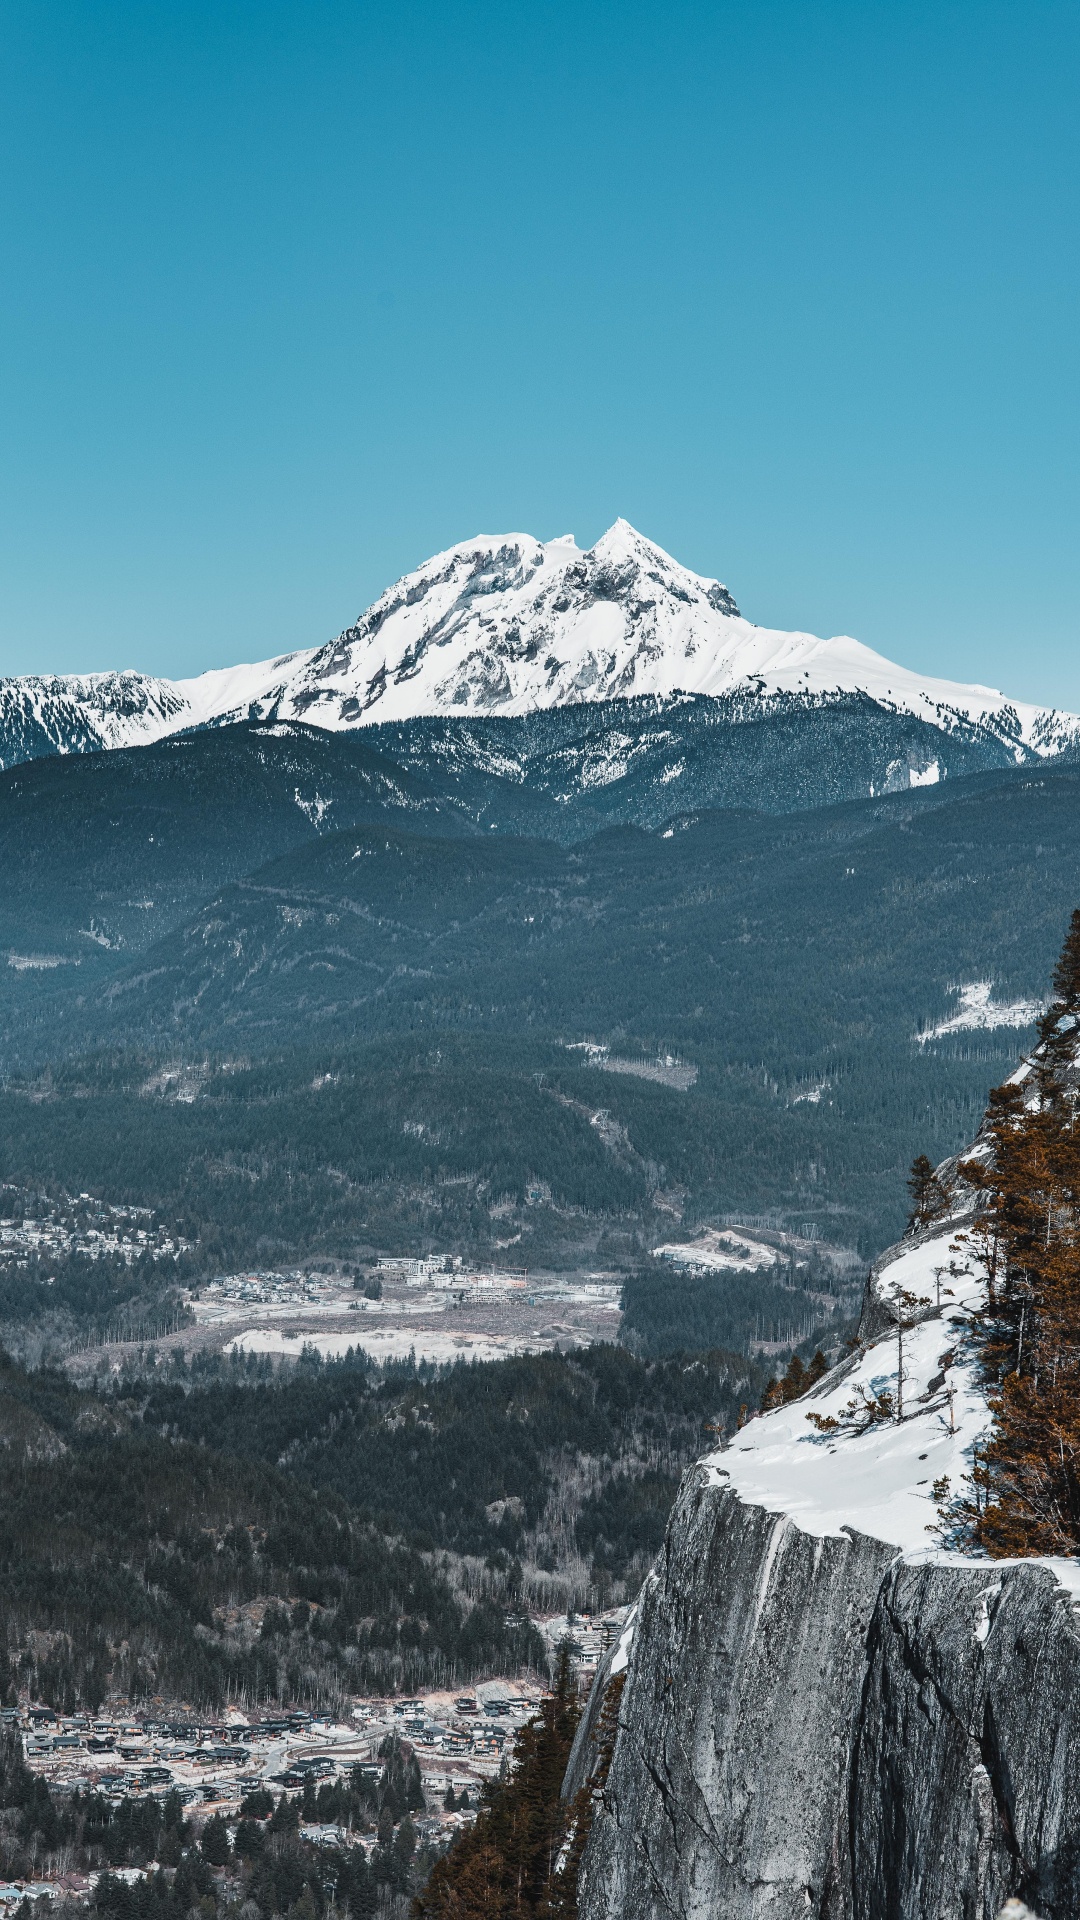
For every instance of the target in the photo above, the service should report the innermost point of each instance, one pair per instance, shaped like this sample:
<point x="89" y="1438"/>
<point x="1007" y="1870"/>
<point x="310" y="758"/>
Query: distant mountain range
<point x="395" y="970"/>
<point x="510" y="626"/>
<point x="534" y="798"/>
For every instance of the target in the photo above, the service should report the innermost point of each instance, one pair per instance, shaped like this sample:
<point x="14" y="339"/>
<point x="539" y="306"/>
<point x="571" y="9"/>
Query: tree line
<point x="1024" y="1493"/>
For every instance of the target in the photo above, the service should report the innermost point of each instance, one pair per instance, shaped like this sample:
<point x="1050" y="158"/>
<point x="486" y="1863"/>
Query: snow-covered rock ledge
<point x="825" y="1711"/>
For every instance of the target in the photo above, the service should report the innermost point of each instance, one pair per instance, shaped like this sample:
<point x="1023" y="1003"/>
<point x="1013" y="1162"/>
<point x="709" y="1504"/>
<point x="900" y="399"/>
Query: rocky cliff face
<point x="843" y="1720"/>
<point x="813" y="1727"/>
<point x="728" y="1782"/>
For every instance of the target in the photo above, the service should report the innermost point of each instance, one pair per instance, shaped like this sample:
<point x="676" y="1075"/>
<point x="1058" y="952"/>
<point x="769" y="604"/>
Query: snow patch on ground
<point x="812" y="1095"/>
<point x="880" y="1481"/>
<point x="715" y="1252"/>
<point x="394" y="1343"/>
<point x="977" y="1009"/>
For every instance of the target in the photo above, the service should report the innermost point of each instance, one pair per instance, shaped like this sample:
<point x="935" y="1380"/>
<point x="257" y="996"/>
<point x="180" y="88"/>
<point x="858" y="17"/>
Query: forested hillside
<point x="160" y="1536"/>
<point x="379" y="1025"/>
<point x="103" y="852"/>
<point x="142" y="1566"/>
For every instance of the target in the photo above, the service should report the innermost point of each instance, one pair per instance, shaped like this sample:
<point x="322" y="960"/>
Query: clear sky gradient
<point x="295" y="295"/>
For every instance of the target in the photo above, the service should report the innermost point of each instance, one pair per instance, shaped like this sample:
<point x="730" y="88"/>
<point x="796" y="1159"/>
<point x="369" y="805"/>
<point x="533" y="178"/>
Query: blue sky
<point x="295" y="295"/>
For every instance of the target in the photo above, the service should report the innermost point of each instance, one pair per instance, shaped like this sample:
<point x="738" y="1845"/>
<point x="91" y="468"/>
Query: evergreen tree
<point x="796" y="1381"/>
<point x="474" y="1888"/>
<point x="561" y="1902"/>
<point x="1025" y="1496"/>
<point x="405" y="1843"/>
<point x="1057" y="1028"/>
<point x="215" y="1842"/>
<point x="928" y="1197"/>
<point x="817" y="1369"/>
<point x="504" y="1865"/>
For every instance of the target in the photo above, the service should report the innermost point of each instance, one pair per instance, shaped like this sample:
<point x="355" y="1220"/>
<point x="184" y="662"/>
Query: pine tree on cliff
<point x="503" y="1868"/>
<point x="1026" y="1496"/>
<point x="796" y="1381"/>
<point x="1057" y="1025"/>
<point x="928" y="1197"/>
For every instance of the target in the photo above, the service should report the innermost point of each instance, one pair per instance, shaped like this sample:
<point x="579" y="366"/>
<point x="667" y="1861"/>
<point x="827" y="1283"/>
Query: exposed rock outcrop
<point x="811" y="1726"/>
<point x="728" y="1780"/>
<point x="826" y="1712"/>
<point x="966" y="1766"/>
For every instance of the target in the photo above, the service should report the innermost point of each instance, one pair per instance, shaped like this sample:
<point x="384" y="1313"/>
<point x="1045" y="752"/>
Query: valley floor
<point x="280" y="1315"/>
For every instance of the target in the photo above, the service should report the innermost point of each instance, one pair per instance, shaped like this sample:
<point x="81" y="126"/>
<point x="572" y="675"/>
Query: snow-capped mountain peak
<point x="508" y="625"/>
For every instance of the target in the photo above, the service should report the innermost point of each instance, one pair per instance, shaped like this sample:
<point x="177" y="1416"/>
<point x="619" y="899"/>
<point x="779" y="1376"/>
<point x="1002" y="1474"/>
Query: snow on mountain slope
<point x="81" y="713"/>
<point x="238" y="692"/>
<point x="74" y="713"/>
<point x="511" y="625"/>
<point x="877" y="1478"/>
<point x="876" y="1475"/>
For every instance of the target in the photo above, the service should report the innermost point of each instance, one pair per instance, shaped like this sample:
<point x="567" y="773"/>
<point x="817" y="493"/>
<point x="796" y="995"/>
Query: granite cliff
<point x="825" y="1710"/>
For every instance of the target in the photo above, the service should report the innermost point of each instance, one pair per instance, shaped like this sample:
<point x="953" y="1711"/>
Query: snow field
<point x="395" y="1343"/>
<point x="880" y="1481"/>
<point x="512" y="625"/>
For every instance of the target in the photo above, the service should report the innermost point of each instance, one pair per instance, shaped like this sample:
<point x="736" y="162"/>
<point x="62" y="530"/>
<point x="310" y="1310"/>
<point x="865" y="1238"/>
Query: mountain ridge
<point x="805" y="965"/>
<point x="509" y="626"/>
